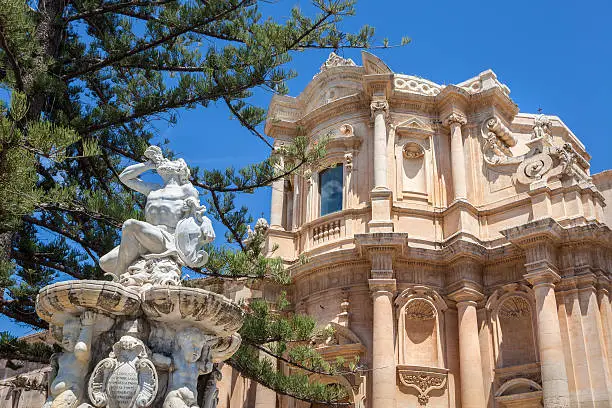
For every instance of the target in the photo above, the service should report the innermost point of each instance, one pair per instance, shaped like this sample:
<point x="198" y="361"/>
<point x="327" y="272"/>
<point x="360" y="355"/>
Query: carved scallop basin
<point x="211" y="312"/>
<point x="56" y="301"/>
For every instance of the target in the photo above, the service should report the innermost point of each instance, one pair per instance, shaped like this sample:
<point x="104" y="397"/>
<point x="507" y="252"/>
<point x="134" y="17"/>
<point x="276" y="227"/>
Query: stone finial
<point x="334" y="60"/>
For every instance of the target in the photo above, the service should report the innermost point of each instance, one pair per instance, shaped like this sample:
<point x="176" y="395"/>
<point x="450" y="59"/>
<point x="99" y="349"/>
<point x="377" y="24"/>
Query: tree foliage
<point x="88" y="82"/>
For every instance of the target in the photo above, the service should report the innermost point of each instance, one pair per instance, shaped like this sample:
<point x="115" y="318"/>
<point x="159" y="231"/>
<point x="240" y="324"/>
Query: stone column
<point x="554" y="376"/>
<point x="470" y="362"/>
<point x="455" y="121"/>
<point x="379" y="111"/>
<point x="605" y="310"/>
<point x="380" y="195"/>
<point x="278" y="194"/>
<point x="297" y="204"/>
<point x="383" y="350"/>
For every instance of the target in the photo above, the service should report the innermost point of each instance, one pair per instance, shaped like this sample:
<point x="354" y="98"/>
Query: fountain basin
<point x="56" y="301"/>
<point x="211" y="312"/>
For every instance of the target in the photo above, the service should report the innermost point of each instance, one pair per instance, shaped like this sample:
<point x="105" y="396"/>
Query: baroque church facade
<point x="459" y="248"/>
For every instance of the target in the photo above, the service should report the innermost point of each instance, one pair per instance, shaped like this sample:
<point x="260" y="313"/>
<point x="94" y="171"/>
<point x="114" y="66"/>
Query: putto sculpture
<point x="147" y="337"/>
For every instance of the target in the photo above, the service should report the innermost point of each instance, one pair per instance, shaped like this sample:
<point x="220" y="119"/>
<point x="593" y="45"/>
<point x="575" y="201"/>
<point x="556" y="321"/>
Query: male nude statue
<point x="174" y="226"/>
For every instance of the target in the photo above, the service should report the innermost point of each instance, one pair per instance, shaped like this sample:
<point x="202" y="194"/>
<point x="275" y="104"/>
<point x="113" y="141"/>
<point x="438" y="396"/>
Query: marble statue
<point x="173" y="233"/>
<point x="151" y="337"/>
<point x="126" y="378"/>
<point x="541" y="127"/>
<point x="67" y="383"/>
<point x="191" y="357"/>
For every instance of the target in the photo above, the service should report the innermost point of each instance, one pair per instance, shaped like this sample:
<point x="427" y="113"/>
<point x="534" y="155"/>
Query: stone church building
<point x="460" y="248"/>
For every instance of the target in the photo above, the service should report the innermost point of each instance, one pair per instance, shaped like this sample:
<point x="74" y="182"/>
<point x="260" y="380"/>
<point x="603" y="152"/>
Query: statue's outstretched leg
<point x="138" y="238"/>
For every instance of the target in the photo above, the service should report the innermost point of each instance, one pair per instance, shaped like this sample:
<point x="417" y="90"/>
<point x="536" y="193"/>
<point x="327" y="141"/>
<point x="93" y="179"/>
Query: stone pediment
<point x="412" y="125"/>
<point x="374" y="65"/>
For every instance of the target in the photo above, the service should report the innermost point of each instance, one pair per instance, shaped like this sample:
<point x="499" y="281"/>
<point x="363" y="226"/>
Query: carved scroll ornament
<point x="423" y="380"/>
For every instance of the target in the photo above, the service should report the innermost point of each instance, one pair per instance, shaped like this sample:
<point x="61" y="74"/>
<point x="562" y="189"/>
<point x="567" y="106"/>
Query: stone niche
<point x="420" y="336"/>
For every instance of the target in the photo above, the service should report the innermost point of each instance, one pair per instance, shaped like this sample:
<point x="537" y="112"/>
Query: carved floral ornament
<point x="413" y="150"/>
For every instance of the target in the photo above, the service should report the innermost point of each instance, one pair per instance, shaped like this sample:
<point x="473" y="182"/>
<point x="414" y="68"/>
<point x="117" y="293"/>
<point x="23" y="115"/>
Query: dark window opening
<point x="330" y="189"/>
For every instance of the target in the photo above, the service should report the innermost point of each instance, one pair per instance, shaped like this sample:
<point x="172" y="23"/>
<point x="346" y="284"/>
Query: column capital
<point x="382" y="287"/>
<point x="379" y="106"/>
<point x="546" y="277"/>
<point x="465" y="295"/>
<point x="455" y="117"/>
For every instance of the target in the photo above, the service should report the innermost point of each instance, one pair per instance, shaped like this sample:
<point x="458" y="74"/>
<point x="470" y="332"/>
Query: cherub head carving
<point x="191" y="341"/>
<point x="70" y="333"/>
<point x="128" y="348"/>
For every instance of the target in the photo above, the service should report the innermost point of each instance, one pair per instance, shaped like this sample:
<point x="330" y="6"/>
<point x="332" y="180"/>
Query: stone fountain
<point x="143" y="339"/>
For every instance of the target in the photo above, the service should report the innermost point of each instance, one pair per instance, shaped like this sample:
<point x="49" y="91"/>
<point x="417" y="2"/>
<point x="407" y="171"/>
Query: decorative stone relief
<point x="415" y="85"/>
<point x="379" y="106"/>
<point x="347" y="130"/>
<point x="127" y="378"/>
<point x="498" y="141"/>
<point x="422" y="380"/>
<point x="541" y="128"/>
<point x="334" y="60"/>
<point x="413" y="150"/>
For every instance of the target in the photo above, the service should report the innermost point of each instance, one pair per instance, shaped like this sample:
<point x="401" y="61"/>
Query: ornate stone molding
<point x="416" y="85"/>
<point x="455" y="117"/>
<point x="413" y="150"/>
<point x="379" y="106"/>
<point x="334" y="60"/>
<point x="422" y="379"/>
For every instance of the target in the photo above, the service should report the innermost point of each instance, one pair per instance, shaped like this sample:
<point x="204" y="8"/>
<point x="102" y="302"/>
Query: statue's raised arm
<point x="174" y="232"/>
<point x="129" y="176"/>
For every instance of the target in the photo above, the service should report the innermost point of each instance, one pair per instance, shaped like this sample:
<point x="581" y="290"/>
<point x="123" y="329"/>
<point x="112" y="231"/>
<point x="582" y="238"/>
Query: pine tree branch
<point x="248" y="187"/>
<point x="12" y="60"/>
<point x="147" y="46"/>
<point x="224" y="221"/>
<point x="245" y="123"/>
<point x="9" y="309"/>
<point x="65" y="233"/>
<point x="240" y="369"/>
<point x="201" y="97"/>
<point x="33" y="261"/>
<point x="286" y="360"/>
<point x="113" y="8"/>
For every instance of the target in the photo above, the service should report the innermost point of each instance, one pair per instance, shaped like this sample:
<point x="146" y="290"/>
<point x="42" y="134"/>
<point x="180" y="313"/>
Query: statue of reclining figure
<point x="175" y="227"/>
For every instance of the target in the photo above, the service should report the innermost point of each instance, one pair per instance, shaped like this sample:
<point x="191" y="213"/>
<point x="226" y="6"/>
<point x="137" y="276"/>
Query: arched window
<point x="330" y="189"/>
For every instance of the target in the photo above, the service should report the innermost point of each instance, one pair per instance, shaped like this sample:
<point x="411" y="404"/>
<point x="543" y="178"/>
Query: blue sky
<point x="554" y="55"/>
